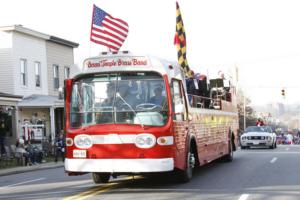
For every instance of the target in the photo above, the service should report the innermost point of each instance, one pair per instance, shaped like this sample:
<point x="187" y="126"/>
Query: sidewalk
<point x="17" y="170"/>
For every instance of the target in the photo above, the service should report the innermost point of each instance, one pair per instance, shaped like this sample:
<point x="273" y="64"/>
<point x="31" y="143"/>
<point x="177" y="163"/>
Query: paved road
<point x="259" y="174"/>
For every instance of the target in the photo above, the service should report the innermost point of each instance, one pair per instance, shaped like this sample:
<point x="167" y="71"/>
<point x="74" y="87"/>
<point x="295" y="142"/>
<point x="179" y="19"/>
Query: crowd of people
<point x="283" y="138"/>
<point x="31" y="153"/>
<point x="197" y="85"/>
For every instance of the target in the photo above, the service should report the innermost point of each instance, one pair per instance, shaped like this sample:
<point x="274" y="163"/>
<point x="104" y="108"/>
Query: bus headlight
<point x="83" y="141"/>
<point x="145" y="140"/>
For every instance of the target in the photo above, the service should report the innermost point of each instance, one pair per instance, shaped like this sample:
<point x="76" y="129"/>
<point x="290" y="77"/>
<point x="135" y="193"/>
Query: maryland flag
<point x="180" y="42"/>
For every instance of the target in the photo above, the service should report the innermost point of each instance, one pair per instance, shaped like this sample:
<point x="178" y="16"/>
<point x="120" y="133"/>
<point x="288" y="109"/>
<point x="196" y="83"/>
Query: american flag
<point x="107" y="30"/>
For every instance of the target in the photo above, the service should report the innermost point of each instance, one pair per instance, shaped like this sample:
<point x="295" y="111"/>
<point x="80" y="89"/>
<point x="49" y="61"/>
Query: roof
<point x="27" y="31"/>
<point x="40" y="101"/>
<point x="63" y="41"/>
<point x="21" y="29"/>
<point x="2" y="94"/>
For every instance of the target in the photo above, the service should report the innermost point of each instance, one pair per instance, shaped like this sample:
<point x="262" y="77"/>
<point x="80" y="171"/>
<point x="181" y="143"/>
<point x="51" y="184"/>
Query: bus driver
<point x="157" y="99"/>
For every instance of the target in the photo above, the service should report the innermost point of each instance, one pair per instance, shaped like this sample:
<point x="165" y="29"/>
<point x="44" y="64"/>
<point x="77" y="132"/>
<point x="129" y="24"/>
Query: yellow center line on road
<point x="92" y="192"/>
<point x="99" y="189"/>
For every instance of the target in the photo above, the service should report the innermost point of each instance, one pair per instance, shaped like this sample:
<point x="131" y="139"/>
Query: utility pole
<point x="244" y="112"/>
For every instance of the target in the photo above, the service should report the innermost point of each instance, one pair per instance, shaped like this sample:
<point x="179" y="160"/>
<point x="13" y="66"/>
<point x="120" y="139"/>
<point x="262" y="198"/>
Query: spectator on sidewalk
<point x="60" y="147"/>
<point x="35" y="154"/>
<point x="20" y="149"/>
<point x="2" y="133"/>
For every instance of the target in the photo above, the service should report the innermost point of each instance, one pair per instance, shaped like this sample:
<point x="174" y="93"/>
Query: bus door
<point x="180" y="122"/>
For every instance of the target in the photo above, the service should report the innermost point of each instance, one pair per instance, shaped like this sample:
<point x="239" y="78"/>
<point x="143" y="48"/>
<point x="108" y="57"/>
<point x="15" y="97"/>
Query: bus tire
<point x="100" y="177"/>
<point x="184" y="176"/>
<point x="229" y="156"/>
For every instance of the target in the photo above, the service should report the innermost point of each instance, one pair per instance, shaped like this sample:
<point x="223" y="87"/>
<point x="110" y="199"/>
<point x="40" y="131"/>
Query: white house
<point x="34" y="65"/>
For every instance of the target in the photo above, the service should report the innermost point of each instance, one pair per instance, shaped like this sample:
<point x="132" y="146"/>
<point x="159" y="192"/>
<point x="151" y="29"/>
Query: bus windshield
<point x="119" y="98"/>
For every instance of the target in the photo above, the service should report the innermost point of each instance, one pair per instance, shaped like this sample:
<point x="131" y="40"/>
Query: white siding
<point x="33" y="50"/>
<point x="58" y="55"/>
<point x="6" y="63"/>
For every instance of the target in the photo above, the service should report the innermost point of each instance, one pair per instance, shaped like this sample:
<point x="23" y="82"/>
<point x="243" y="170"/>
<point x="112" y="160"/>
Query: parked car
<point x="258" y="136"/>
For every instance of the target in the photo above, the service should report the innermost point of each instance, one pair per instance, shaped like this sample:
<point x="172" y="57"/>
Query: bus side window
<point x="178" y="102"/>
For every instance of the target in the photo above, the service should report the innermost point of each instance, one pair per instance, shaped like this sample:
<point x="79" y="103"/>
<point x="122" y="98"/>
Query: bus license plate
<point x="79" y="153"/>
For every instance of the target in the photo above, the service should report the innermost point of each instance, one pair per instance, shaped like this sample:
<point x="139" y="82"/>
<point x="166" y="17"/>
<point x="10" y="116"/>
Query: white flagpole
<point x="90" y="48"/>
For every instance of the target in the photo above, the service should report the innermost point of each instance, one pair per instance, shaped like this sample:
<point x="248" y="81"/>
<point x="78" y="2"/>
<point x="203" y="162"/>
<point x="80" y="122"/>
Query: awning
<point x="41" y="101"/>
<point x="9" y="99"/>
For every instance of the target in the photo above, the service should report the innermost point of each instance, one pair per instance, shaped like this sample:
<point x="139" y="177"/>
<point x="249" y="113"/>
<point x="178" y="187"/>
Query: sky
<point x="259" y="37"/>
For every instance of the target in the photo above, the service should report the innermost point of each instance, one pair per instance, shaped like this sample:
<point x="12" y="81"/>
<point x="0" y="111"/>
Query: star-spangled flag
<point x="107" y="30"/>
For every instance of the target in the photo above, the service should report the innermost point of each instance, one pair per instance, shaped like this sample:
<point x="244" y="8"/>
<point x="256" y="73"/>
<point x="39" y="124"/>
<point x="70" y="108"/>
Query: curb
<point x="18" y="170"/>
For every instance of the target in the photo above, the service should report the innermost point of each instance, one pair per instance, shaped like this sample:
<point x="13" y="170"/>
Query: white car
<point x="258" y="136"/>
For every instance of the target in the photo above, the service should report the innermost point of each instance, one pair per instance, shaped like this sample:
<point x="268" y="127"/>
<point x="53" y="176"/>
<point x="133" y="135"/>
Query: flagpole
<point x="91" y="30"/>
<point x="90" y="49"/>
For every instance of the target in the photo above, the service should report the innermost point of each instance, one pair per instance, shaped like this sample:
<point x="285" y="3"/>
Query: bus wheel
<point x="100" y="177"/>
<point x="186" y="175"/>
<point x="229" y="156"/>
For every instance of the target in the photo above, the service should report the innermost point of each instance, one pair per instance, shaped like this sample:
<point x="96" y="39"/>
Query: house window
<point x="55" y="76"/>
<point x="67" y="72"/>
<point x="23" y="69"/>
<point x="37" y="67"/>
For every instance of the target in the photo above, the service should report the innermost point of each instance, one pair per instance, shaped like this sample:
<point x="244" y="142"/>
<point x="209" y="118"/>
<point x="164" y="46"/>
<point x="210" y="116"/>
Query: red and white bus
<point x="130" y="114"/>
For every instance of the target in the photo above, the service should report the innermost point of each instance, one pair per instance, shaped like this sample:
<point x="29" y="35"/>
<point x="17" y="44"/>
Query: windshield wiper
<point x="118" y="95"/>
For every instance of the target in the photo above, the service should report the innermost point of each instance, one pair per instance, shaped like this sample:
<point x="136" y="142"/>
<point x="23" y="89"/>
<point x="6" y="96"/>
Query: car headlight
<point x="83" y="141"/>
<point x="263" y="137"/>
<point x="145" y="140"/>
<point x="244" y="138"/>
<point x="249" y="138"/>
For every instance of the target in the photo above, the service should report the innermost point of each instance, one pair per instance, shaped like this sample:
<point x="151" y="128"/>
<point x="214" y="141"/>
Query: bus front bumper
<point x="119" y="165"/>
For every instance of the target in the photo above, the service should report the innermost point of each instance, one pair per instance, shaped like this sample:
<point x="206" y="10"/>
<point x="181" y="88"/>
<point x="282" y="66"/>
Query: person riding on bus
<point x="158" y="98"/>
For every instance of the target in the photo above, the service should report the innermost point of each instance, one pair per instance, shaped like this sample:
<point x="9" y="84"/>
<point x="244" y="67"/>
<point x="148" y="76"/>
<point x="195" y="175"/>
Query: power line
<point x="270" y="87"/>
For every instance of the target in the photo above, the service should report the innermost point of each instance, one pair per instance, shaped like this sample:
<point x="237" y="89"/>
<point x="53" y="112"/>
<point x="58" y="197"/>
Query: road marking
<point x="92" y="192"/>
<point x="273" y="160"/>
<point x="244" y="197"/>
<point x="270" y="152"/>
<point x="287" y="149"/>
<point x="99" y="189"/>
<point x="30" y="181"/>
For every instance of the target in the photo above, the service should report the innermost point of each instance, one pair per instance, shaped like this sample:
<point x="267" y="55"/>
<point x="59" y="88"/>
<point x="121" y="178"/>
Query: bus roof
<point x="120" y="62"/>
